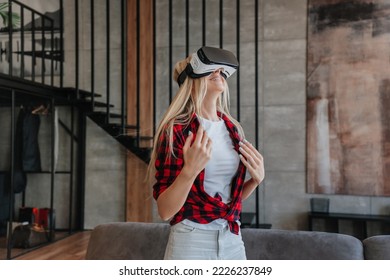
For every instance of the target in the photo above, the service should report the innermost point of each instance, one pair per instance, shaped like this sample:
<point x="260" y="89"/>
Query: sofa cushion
<point x="273" y="244"/>
<point x="128" y="241"/>
<point x="377" y="247"/>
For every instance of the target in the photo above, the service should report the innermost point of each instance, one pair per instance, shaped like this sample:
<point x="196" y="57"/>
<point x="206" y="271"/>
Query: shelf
<point x="334" y="220"/>
<point x="47" y="172"/>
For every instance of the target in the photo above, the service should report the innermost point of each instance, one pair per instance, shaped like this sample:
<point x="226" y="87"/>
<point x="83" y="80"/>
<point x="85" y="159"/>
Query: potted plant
<point x="4" y="15"/>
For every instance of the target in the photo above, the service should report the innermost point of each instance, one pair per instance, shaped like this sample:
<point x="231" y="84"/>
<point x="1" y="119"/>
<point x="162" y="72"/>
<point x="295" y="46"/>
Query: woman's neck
<point x="209" y="107"/>
<point x="210" y="112"/>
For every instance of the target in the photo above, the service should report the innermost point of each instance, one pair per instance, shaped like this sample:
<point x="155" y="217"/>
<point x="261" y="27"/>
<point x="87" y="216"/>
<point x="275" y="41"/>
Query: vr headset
<point x="206" y="60"/>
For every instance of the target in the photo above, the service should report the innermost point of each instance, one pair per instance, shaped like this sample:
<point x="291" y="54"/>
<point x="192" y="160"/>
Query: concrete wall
<point x="105" y="178"/>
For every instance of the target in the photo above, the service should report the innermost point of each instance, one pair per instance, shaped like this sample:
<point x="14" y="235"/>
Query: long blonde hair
<point x="188" y="100"/>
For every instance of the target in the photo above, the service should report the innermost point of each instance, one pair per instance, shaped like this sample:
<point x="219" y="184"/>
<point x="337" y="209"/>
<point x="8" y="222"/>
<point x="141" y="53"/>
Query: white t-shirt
<point x="220" y="169"/>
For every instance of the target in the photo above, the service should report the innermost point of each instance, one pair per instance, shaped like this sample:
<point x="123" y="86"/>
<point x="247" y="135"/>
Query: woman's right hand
<point x="198" y="154"/>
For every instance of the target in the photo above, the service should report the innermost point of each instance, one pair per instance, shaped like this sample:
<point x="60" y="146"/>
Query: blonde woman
<point x="200" y="159"/>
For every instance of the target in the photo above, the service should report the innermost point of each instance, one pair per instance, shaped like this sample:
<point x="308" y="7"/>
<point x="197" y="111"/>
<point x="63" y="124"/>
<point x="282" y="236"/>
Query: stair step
<point x="114" y="128"/>
<point x="83" y="93"/>
<point x="133" y="137"/>
<point x="126" y="137"/>
<point x="118" y="125"/>
<point x="104" y="114"/>
<point x="101" y="104"/>
<point x="96" y="103"/>
<point x="131" y="144"/>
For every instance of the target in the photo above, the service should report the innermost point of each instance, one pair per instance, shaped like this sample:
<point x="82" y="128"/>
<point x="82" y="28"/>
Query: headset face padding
<point x="208" y="59"/>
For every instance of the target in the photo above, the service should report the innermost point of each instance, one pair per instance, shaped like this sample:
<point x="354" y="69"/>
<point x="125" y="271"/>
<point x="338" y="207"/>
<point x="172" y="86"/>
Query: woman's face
<point x="215" y="82"/>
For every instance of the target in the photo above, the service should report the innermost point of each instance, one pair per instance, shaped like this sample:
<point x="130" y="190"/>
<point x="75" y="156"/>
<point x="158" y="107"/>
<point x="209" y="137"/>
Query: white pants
<point x="189" y="243"/>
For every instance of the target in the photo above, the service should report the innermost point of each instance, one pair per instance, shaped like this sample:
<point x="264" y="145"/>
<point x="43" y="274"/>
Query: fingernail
<point x="189" y="133"/>
<point x="245" y="141"/>
<point x="240" y="143"/>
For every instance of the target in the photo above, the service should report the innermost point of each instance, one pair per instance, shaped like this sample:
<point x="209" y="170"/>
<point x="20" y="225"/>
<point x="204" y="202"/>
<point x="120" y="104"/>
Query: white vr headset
<point x="206" y="60"/>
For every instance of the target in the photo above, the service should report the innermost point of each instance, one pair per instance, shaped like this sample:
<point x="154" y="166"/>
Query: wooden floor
<point x="73" y="247"/>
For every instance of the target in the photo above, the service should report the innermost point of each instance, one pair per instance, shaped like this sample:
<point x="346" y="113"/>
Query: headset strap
<point x="183" y="75"/>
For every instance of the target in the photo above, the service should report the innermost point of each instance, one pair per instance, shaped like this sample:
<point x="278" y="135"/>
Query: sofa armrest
<point x="274" y="244"/>
<point x="377" y="247"/>
<point x="128" y="241"/>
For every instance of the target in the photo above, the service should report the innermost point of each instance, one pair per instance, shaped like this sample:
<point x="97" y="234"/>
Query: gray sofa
<point x="147" y="241"/>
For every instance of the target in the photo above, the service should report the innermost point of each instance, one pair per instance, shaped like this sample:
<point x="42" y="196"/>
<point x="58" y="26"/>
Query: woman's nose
<point x="219" y="70"/>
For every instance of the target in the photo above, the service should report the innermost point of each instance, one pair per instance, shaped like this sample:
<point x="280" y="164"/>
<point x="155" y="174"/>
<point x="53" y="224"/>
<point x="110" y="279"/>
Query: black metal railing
<point x="42" y="54"/>
<point x="220" y="30"/>
<point x="33" y="47"/>
<point x="107" y="107"/>
<point x="37" y="46"/>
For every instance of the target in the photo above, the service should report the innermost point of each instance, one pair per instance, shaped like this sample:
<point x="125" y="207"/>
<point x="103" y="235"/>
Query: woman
<point x="201" y="157"/>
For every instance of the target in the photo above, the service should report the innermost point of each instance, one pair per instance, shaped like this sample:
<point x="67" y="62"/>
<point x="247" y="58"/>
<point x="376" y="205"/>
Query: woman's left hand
<point x="253" y="161"/>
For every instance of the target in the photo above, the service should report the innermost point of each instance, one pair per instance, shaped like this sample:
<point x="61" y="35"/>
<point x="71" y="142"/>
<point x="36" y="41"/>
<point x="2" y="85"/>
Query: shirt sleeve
<point x="168" y="166"/>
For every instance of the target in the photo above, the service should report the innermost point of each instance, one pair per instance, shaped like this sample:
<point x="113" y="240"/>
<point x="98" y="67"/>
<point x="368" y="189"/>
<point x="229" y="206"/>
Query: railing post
<point x="108" y="61"/>
<point x="77" y="51"/>
<point x="187" y="27"/>
<point x="238" y="56"/>
<point x="203" y="22"/>
<point x="22" y="62"/>
<point x="71" y="168"/>
<point x="33" y="46"/>
<point x="52" y="51"/>
<point x="221" y="24"/>
<point x="62" y="58"/>
<point x="257" y="100"/>
<point x="154" y="67"/>
<point x="10" y="38"/>
<point x="170" y="49"/>
<point x="43" y="50"/>
<point x="52" y="169"/>
<point x="138" y="74"/>
<point x="92" y="7"/>
<point x="123" y="63"/>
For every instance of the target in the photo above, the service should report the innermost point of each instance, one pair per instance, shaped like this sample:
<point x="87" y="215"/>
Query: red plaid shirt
<point x="199" y="207"/>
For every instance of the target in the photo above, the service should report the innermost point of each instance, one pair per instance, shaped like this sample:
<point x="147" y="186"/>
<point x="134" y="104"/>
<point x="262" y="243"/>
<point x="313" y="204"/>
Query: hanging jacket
<point x="27" y="155"/>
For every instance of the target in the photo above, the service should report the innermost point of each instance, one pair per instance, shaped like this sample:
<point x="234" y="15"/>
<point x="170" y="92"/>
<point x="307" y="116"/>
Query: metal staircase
<point x="33" y="58"/>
